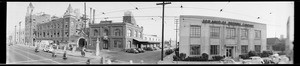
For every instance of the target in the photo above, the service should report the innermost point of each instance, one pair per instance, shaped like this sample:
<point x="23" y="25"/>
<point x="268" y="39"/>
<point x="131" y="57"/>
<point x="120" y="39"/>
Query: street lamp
<point x="162" y="41"/>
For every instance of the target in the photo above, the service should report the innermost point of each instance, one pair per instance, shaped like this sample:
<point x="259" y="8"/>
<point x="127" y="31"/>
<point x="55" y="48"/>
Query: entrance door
<point x="229" y="51"/>
<point x="105" y="43"/>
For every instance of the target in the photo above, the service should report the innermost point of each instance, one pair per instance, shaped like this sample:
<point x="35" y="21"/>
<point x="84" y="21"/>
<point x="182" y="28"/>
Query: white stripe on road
<point x="36" y="60"/>
<point x="22" y="55"/>
<point x="40" y="56"/>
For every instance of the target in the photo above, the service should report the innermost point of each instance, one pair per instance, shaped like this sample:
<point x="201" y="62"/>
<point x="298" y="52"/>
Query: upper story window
<point x="128" y="32"/>
<point x="106" y="33"/>
<point x="134" y="33"/>
<point x="141" y="35"/>
<point x="214" y="32"/>
<point x="95" y="32"/>
<point x="231" y="33"/>
<point x="244" y="33"/>
<point x="117" y="32"/>
<point x="195" y="31"/>
<point x="257" y="34"/>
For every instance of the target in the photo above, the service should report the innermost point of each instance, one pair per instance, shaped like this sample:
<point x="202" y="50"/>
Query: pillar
<point x="97" y="47"/>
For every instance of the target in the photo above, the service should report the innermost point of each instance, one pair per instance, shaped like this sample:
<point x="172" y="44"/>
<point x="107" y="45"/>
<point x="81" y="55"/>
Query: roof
<point x="272" y="40"/>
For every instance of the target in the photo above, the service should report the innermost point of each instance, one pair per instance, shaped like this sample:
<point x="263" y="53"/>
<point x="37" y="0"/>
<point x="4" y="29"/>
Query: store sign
<point x="227" y="23"/>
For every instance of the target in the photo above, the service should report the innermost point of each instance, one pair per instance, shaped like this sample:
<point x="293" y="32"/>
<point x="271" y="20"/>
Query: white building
<point x="220" y="36"/>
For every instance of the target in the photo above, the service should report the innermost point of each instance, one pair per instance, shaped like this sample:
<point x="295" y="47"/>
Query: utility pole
<point x="163" y="15"/>
<point x="19" y="32"/>
<point x="15" y="34"/>
<point x="90" y="16"/>
<point x="176" y="29"/>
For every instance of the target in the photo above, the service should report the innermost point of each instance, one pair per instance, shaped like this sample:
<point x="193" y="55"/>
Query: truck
<point x="46" y="45"/>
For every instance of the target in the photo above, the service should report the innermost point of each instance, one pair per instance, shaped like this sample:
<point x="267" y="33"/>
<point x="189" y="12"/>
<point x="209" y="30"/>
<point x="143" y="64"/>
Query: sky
<point x="273" y="14"/>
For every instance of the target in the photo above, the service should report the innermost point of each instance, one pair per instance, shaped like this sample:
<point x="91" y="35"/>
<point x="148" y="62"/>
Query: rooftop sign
<point x="227" y="23"/>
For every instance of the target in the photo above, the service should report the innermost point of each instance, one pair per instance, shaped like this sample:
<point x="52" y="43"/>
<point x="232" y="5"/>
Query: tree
<point x="279" y="47"/>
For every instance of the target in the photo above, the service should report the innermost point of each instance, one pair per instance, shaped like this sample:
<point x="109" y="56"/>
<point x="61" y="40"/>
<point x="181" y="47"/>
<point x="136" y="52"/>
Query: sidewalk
<point x="167" y="60"/>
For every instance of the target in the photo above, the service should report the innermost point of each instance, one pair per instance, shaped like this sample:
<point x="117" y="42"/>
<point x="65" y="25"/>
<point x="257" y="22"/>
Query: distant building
<point x="220" y="36"/>
<point x="31" y="20"/>
<point x="271" y="42"/>
<point x="151" y="41"/>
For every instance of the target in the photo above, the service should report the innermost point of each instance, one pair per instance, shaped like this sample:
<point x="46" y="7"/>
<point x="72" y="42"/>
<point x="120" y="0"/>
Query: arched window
<point x="95" y="32"/>
<point x="106" y="32"/>
<point x="134" y="33"/>
<point x="128" y="32"/>
<point x="117" y="32"/>
<point x="141" y="35"/>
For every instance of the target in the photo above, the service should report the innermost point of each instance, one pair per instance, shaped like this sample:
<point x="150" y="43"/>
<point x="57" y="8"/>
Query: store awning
<point x="141" y="41"/>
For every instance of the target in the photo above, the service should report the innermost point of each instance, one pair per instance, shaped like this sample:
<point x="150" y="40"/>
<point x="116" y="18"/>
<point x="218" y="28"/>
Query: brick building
<point x="220" y="36"/>
<point x="116" y="35"/>
<point x="63" y="31"/>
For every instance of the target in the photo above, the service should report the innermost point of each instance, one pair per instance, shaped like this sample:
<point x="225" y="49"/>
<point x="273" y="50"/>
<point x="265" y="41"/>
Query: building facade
<point x="220" y="36"/>
<point x="116" y="36"/>
<point x="31" y="20"/>
<point x="63" y="31"/>
<point x="151" y="41"/>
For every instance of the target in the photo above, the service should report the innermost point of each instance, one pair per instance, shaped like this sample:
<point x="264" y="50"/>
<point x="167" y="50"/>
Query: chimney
<point x="93" y="16"/>
<point x="127" y="17"/>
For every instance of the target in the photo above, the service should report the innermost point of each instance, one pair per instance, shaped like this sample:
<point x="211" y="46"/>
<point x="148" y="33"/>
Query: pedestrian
<point x="88" y="61"/>
<point x="65" y="55"/>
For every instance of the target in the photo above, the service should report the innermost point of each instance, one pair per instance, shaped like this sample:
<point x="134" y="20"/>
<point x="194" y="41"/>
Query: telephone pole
<point x="163" y="15"/>
<point x="176" y="29"/>
<point x="19" y="32"/>
<point x="15" y="34"/>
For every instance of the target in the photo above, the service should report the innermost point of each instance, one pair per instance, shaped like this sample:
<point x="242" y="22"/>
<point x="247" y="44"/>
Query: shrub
<point x="244" y="56"/>
<point x="217" y="58"/>
<point x="169" y="51"/>
<point x="281" y="53"/>
<point x="195" y="58"/>
<point x="176" y="58"/>
<point x="252" y="53"/>
<point x="266" y="53"/>
<point x="205" y="56"/>
<point x="182" y="56"/>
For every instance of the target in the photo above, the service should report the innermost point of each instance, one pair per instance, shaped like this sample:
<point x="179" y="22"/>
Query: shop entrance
<point x="229" y="51"/>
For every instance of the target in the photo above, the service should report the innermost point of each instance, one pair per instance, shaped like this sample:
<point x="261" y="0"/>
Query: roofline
<point x="195" y="16"/>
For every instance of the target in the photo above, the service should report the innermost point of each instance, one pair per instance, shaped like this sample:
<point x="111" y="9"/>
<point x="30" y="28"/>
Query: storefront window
<point x="195" y="49"/>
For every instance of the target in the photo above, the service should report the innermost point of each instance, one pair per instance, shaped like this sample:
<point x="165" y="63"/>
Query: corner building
<point x="220" y="36"/>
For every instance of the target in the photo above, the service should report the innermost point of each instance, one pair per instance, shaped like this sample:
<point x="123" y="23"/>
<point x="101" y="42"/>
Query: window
<point x="214" y="32"/>
<point x="137" y="34"/>
<point x="67" y="34"/>
<point x="214" y="49"/>
<point x="141" y="35"/>
<point x="257" y="48"/>
<point x="106" y="33"/>
<point x="244" y="33"/>
<point x="230" y="33"/>
<point x="95" y="32"/>
<point x="115" y="43"/>
<point x="134" y="33"/>
<point x="117" y="32"/>
<point x="128" y="32"/>
<point x="257" y="34"/>
<point x="244" y="48"/>
<point x="195" y="49"/>
<point x="195" y="31"/>
<point x="145" y="38"/>
<point x="120" y="44"/>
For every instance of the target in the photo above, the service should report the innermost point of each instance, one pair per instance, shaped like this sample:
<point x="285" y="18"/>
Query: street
<point x="148" y="57"/>
<point x="20" y="54"/>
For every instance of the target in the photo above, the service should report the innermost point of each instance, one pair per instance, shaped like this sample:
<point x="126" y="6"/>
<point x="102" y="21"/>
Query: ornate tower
<point x="28" y="25"/>
<point x="69" y="12"/>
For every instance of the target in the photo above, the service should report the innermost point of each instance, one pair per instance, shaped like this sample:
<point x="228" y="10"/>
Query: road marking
<point x="35" y="60"/>
<point x="40" y="56"/>
<point x="21" y="54"/>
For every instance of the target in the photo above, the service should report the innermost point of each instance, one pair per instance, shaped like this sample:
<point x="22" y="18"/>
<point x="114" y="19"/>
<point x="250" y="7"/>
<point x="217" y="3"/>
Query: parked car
<point x="256" y="60"/>
<point x="148" y="48"/>
<point x="48" y="49"/>
<point x="229" y="61"/>
<point x="153" y="48"/>
<point x="156" y="48"/>
<point x="131" y="50"/>
<point x="140" y="50"/>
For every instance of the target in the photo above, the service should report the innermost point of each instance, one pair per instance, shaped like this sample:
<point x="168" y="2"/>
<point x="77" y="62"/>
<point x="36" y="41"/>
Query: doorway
<point x="229" y="51"/>
<point x="105" y="43"/>
<point x="82" y="42"/>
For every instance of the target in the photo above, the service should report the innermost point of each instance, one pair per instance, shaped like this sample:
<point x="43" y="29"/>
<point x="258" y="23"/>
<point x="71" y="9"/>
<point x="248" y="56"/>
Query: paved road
<point x="148" y="57"/>
<point x="20" y="54"/>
